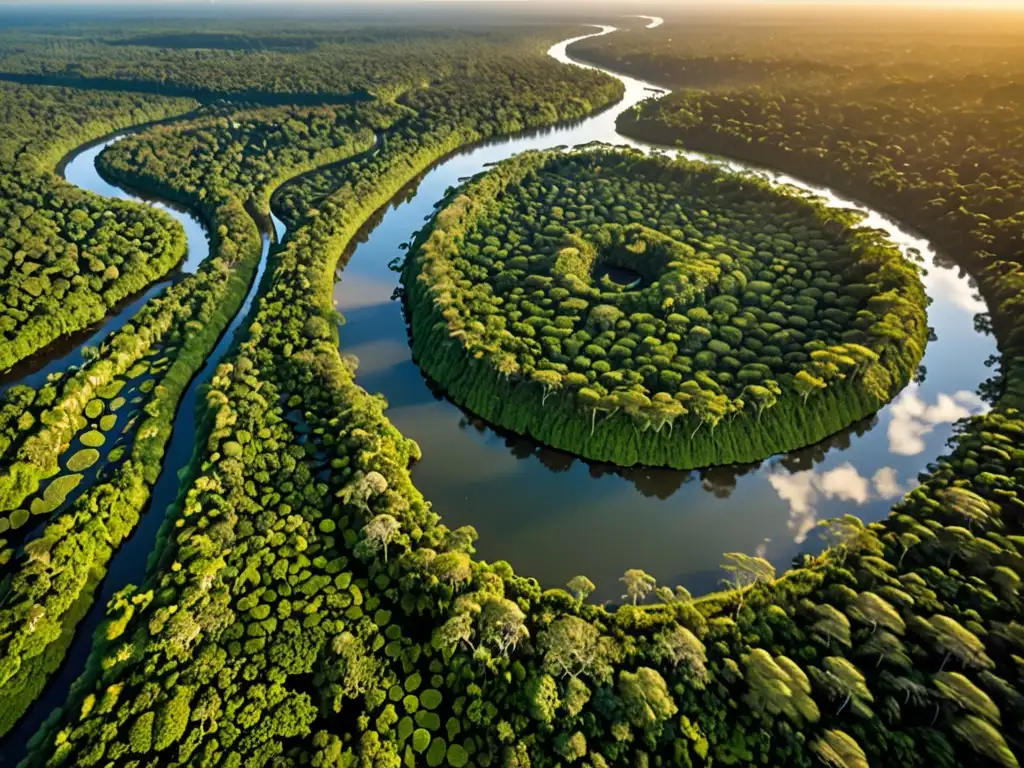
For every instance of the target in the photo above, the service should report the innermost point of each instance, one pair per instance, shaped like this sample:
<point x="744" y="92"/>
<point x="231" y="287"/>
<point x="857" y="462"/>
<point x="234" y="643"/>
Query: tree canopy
<point x="754" y="318"/>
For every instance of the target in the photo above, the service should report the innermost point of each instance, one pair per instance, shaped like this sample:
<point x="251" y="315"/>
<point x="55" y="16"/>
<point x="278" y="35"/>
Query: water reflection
<point x="655" y="21"/>
<point x="655" y="482"/>
<point x="953" y="285"/>
<point x="553" y="515"/>
<point x="803" y="490"/>
<point x="913" y="419"/>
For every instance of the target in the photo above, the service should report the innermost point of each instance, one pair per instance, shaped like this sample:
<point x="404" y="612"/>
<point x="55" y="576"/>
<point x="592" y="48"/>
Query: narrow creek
<point x="553" y="516"/>
<point x="129" y="564"/>
<point x="550" y="515"/>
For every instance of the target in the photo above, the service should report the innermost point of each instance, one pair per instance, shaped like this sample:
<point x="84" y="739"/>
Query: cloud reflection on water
<point x="803" y="491"/>
<point x="946" y="282"/>
<point x="912" y="418"/>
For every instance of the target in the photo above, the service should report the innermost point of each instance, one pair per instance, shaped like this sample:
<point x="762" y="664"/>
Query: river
<point x="550" y="515"/>
<point x="128" y="565"/>
<point x="79" y="168"/>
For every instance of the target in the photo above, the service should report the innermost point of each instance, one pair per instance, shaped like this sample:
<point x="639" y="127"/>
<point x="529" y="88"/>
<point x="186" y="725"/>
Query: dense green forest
<point x="157" y="354"/>
<point x="226" y="164"/>
<point x="383" y="62"/>
<point x="247" y="153"/>
<point x="305" y="605"/>
<point x="816" y="48"/>
<point x="763" y="318"/>
<point x="67" y="256"/>
<point x="925" y="131"/>
<point x="459" y="112"/>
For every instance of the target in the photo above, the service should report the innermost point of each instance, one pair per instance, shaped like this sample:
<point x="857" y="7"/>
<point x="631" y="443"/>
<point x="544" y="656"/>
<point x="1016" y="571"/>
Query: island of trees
<point x="644" y="310"/>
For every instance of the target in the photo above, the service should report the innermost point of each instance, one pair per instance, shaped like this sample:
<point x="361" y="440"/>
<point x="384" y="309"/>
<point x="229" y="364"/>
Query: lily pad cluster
<point x="600" y="298"/>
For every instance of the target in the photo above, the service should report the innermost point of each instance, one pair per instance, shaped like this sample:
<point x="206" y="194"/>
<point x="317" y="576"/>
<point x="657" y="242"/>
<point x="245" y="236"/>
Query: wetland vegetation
<point x="305" y="604"/>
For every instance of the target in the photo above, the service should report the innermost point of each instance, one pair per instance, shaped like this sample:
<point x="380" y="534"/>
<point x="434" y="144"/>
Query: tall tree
<point x="678" y="645"/>
<point x="638" y="583"/>
<point x="885" y="647"/>
<point x="831" y="625"/>
<point x="845" y="683"/>
<point x="646" y="698"/>
<point x="571" y="646"/>
<point x="965" y="695"/>
<point x="379" y="532"/>
<point x="581" y="587"/>
<point x="981" y="736"/>
<point x="956" y="641"/>
<point x="745" y="571"/>
<point x="869" y="608"/>
<point x="502" y="624"/>
<point x="965" y="503"/>
<point x="778" y="686"/>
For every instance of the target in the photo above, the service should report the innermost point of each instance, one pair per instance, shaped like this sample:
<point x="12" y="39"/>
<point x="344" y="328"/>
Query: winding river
<point x="79" y="168"/>
<point x="550" y="515"/>
<point x="129" y="564"/>
<point x="553" y="516"/>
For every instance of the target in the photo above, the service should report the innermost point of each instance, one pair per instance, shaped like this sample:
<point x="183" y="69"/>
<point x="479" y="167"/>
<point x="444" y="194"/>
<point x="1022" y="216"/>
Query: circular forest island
<point x="644" y="310"/>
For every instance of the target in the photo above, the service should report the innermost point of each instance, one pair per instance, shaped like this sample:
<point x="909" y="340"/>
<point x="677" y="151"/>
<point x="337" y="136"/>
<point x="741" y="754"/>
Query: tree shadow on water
<point x="659" y="482"/>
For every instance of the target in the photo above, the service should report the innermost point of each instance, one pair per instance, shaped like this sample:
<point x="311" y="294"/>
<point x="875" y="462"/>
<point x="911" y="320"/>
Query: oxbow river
<point x="550" y="515"/>
<point x="553" y="517"/>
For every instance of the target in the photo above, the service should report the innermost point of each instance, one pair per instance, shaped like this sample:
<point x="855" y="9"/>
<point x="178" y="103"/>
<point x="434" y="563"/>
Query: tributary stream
<point x="129" y="563"/>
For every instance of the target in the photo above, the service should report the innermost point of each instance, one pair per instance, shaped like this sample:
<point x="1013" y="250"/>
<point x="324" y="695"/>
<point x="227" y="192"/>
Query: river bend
<point x="551" y="515"/>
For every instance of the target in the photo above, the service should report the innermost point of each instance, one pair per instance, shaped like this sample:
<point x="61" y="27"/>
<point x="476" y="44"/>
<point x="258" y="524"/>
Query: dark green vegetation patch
<point x="645" y="310"/>
<point x="83" y="459"/>
<point x="93" y="439"/>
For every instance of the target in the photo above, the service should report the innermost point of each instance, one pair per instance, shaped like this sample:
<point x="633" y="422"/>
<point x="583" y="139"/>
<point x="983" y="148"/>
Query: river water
<point x="79" y="168"/>
<point x="128" y="565"/>
<point x="550" y="515"/>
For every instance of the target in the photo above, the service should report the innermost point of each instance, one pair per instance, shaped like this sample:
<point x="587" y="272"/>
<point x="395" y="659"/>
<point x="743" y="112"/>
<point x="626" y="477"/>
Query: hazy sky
<point x="637" y="5"/>
<point x="298" y="8"/>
